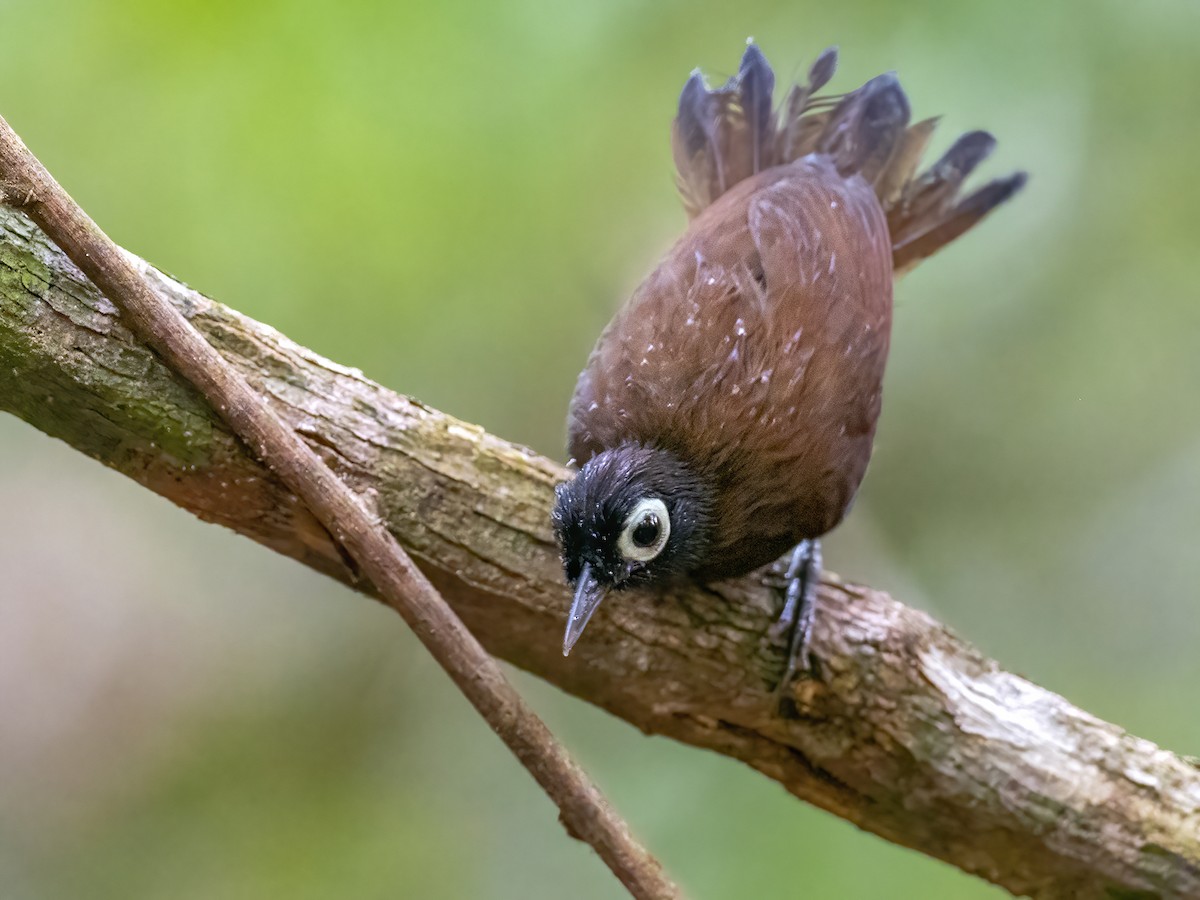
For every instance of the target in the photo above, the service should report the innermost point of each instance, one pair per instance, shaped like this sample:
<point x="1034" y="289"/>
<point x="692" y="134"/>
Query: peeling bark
<point x="909" y="732"/>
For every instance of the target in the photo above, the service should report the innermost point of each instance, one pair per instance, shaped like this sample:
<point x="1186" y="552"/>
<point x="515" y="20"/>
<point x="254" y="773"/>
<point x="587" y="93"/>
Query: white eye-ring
<point x="646" y="531"/>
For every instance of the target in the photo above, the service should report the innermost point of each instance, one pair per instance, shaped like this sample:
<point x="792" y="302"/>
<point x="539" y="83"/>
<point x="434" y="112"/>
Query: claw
<point x="799" y="606"/>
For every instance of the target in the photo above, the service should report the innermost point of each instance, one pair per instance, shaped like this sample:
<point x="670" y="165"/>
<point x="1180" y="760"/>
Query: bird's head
<point x="633" y="515"/>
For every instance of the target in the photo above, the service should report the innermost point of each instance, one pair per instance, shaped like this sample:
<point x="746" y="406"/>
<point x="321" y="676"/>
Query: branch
<point x="909" y="733"/>
<point x="341" y="512"/>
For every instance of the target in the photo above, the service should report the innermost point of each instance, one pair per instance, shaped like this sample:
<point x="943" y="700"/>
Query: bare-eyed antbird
<point x="728" y="411"/>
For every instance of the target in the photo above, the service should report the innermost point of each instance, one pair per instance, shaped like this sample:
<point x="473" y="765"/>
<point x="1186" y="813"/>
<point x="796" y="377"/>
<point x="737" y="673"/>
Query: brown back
<point x="755" y="352"/>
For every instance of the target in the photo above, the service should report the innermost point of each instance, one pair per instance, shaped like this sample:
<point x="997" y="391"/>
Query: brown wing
<point x="755" y="351"/>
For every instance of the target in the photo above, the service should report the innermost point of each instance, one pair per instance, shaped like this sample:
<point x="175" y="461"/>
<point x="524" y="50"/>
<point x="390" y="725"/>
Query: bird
<point x="728" y="411"/>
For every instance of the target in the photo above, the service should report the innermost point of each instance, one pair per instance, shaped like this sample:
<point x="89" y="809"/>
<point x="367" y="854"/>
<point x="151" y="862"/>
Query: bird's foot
<point x="799" y="605"/>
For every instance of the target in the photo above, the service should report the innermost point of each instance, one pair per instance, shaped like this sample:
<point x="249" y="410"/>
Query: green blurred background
<point x="454" y="198"/>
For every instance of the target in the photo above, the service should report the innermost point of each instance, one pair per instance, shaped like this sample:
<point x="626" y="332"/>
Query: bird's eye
<point x="646" y="531"/>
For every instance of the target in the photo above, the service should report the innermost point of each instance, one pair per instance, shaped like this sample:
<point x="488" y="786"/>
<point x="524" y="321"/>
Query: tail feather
<point x="945" y="227"/>
<point x="930" y="193"/>
<point x="798" y="133"/>
<point x="694" y="147"/>
<point x="905" y="159"/>
<point x="756" y="83"/>
<point x="820" y="73"/>
<point x="865" y="128"/>
<point x="724" y="135"/>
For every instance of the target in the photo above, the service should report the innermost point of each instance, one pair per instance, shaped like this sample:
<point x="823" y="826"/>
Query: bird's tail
<point x="724" y="135"/>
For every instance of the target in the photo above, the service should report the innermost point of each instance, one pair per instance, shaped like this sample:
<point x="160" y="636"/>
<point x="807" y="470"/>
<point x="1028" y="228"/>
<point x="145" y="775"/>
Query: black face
<point x="633" y="515"/>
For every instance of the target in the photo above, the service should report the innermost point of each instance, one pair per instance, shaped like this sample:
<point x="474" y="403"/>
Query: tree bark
<point x="908" y="731"/>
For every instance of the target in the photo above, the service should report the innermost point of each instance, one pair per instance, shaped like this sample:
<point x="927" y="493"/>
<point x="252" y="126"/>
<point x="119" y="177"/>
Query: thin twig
<point x="25" y="182"/>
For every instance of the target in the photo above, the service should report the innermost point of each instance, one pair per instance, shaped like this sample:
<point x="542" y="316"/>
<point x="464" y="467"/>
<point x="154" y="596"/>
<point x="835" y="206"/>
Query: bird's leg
<point x="799" y="605"/>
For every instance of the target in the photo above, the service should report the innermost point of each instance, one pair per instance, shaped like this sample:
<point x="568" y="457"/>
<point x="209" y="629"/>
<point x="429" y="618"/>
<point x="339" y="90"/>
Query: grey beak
<point x="588" y="594"/>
